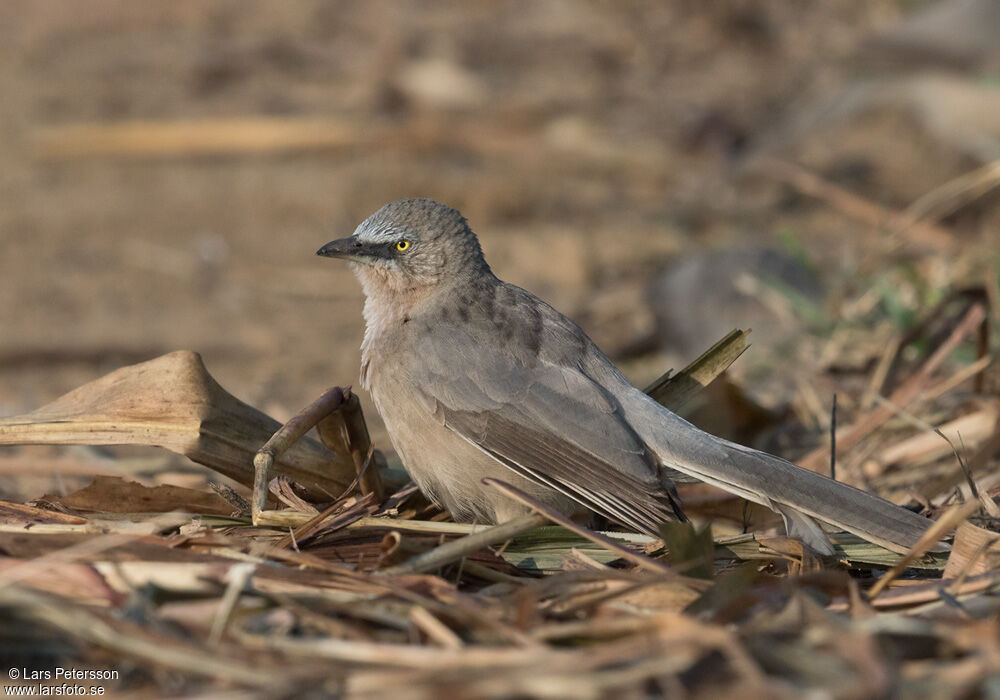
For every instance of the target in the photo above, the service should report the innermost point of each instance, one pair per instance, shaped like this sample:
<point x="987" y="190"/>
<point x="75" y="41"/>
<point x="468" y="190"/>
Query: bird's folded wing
<point x="553" y="425"/>
<point x="566" y="468"/>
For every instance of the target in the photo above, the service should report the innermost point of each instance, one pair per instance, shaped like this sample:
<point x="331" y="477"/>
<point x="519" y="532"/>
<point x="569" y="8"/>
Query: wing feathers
<point x="567" y="468"/>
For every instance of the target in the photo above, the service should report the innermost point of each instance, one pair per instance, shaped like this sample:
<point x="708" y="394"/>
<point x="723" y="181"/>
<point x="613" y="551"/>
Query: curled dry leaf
<point x="173" y="402"/>
<point x="976" y="551"/>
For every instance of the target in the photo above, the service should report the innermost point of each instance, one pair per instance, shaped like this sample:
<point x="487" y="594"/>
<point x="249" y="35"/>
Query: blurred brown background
<point x="169" y="170"/>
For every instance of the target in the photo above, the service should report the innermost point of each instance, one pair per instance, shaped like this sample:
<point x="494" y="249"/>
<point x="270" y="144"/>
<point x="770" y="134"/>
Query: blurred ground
<point x="824" y="173"/>
<point x="591" y="145"/>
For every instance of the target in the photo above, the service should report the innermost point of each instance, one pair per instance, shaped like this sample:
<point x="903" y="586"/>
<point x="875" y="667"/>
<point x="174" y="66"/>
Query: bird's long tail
<point x="798" y="494"/>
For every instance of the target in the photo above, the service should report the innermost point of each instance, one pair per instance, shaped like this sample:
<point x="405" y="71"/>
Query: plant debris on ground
<point x="371" y="591"/>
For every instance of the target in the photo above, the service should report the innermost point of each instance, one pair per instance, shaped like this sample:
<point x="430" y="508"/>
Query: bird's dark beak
<point x="350" y="248"/>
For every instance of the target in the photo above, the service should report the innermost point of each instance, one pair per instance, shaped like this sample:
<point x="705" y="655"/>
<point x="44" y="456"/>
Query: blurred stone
<point x="949" y="33"/>
<point x="704" y="296"/>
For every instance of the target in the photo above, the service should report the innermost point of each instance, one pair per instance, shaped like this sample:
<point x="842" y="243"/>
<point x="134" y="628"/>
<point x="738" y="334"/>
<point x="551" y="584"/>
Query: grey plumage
<point x="475" y="377"/>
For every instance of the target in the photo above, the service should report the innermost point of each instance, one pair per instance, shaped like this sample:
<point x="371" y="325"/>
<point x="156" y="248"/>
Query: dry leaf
<point x="173" y="402"/>
<point x="975" y="551"/>
<point x="70" y="580"/>
<point x="112" y="494"/>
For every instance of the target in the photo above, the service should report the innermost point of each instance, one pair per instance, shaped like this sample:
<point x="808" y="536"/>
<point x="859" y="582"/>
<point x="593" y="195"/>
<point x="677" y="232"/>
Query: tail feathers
<point x="813" y="495"/>
<point x="796" y="493"/>
<point x="806" y="529"/>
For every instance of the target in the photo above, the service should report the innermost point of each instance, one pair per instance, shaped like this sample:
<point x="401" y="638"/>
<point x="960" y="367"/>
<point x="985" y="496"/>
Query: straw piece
<point x="949" y="521"/>
<point x="675" y="390"/>
<point x="456" y="549"/>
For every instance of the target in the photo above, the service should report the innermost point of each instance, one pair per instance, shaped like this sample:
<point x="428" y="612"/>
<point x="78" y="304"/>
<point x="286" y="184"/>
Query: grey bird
<point x="475" y="377"/>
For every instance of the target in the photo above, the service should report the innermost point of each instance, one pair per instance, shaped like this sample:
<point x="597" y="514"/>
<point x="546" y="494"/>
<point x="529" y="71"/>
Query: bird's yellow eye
<point x="402" y="245"/>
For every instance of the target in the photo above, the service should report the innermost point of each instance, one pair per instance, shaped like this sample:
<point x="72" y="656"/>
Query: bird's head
<point x="410" y="244"/>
